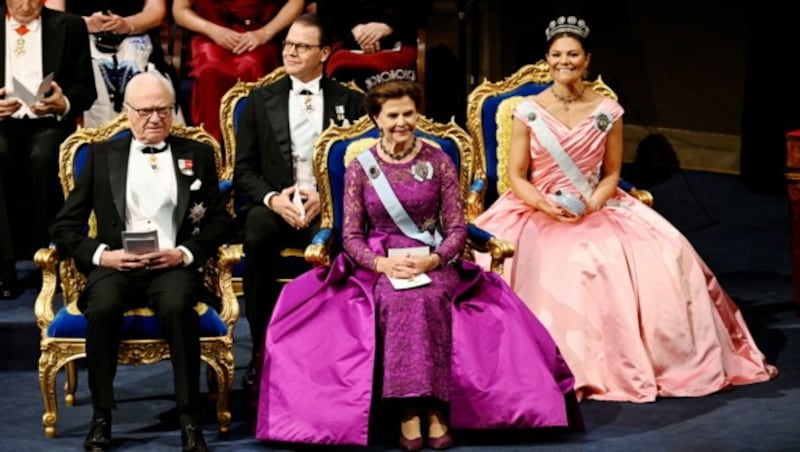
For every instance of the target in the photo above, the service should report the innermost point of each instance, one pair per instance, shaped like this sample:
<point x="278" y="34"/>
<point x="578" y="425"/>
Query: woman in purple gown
<point x="462" y="350"/>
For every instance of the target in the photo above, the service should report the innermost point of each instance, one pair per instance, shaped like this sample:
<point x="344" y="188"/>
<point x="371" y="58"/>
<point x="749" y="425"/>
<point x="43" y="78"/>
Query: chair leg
<point x="222" y="368"/>
<point x="48" y="369"/>
<point x="211" y="382"/>
<point x="71" y="382"/>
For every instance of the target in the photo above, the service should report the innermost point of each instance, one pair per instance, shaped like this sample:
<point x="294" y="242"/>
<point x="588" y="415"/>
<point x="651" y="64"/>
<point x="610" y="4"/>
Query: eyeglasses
<point x="162" y="112"/>
<point x="299" y="46"/>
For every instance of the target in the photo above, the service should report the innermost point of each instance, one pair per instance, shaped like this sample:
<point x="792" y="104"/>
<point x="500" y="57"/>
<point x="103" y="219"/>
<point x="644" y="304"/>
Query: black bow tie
<point x="305" y="92"/>
<point x="153" y="150"/>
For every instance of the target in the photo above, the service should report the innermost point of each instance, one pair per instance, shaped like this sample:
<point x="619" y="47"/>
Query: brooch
<point x="531" y="116"/>
<point x="603" y="121"/>
<point x="422" y="171"/>
<point x="428" y="225"/>
<point x="374" y="172"/>
<point x="197" y="212"/>
<point x="185" y="166"/>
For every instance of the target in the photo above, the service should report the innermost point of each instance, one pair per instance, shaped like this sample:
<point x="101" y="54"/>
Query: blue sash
<point x="558" y="153"/>
<point x="392" y="204"/>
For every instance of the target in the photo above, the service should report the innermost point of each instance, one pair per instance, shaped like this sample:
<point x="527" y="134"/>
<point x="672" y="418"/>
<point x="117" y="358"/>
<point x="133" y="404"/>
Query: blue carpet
<point x="743" y="236"/>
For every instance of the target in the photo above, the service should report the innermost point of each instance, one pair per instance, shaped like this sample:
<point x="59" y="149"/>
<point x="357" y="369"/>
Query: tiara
<point x="569" y="24"/>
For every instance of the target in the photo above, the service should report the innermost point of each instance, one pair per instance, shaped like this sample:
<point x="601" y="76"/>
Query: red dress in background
<point x="215" y="69"/>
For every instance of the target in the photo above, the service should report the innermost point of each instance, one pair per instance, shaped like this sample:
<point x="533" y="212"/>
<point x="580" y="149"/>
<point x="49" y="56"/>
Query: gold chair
<point x="338" y="145"/>
<point x="231" y="106"/>
<point x="489" y="120"/>
<point x="63" y="329"/>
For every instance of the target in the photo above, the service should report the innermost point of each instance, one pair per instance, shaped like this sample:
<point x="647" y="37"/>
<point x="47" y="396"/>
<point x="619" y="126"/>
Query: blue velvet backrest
<point x="340" y="144"/>
<point x="489" y="126"/>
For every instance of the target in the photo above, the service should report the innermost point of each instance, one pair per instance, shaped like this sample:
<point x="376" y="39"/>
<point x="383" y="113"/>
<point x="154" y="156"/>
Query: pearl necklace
<point x="566" y="100"/>
<point x="400" y="155"/>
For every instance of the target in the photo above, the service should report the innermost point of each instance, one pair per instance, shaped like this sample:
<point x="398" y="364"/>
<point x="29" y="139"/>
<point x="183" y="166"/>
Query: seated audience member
<point x="232" y="40"/>
<point x="125" y="40"/>
<point x="458" y="350"/>
<point x="374" y="40"/>
<point x="132" y="185"/>
<point x="636" y="312"/>
<point x="274" y="141"/>
<point x="36" y="114"/>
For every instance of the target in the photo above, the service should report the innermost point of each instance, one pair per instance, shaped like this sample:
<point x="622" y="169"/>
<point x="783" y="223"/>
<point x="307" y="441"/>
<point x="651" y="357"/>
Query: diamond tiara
<point x="569" y="24"/>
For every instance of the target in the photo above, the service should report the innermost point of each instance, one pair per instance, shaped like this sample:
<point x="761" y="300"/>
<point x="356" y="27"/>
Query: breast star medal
<point x="197" y="212"/>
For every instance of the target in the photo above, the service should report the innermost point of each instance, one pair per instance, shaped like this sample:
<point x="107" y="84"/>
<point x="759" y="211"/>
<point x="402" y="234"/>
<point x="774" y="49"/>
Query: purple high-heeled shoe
<point x="442" y="442"/>
<point x="410" y="445"/>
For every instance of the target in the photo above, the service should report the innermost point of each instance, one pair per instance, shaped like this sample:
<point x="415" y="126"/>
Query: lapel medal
<point x="185" y="166"/>
<point x="197" y="212"/>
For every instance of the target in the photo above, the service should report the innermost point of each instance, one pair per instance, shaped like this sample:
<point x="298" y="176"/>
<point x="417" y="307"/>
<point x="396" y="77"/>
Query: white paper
<point x="27" y="97"/>
<point x="297" y="200"/>
<point x="415" y="281"/>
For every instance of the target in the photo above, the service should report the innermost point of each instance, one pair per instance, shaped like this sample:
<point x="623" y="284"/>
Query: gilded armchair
<point x="338" y="145"/>
<point x="489" y="120"/>
<point x="63" y="326"/>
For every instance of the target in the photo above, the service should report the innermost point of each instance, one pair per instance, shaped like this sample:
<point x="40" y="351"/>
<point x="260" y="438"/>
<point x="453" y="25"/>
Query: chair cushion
<point x="142" y="323"/>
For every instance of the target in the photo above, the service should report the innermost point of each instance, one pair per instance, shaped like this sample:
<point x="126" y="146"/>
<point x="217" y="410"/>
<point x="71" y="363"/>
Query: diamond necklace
<point x="566" y="100"/>
<point x="400" y="155"/>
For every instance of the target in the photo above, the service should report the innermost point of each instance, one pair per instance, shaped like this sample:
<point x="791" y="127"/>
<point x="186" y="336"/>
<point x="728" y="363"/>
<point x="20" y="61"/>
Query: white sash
<point x="392" y="204"/>
<point x="558" y="153"/>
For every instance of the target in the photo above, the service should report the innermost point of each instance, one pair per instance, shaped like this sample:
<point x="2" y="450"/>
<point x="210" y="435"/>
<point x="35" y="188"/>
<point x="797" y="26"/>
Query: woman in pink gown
<point x="635" y="311"/>
<point x="460" y="351"/>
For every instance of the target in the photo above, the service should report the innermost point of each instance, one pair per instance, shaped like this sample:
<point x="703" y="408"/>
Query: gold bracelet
<point x="267" y="34"/>
<point x="375" y="265"/>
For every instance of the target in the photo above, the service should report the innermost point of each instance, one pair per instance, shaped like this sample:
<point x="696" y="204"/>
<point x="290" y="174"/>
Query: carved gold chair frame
<point x="534" y="76"/>
<point x="58" y="352"/>
<point x="359" y="137"/>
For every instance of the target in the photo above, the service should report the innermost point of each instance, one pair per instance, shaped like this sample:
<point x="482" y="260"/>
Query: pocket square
<point x="196" y="185"/>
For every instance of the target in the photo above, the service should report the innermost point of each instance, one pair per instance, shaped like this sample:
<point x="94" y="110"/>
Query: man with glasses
<point x="46" y="82"/>
<point x="275" y="139"/>
<point x="167" y="186"/>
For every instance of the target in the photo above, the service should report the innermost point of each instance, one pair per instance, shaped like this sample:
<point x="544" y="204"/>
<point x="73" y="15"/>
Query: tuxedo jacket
<point x="65" y="53"/>
<point x="263" y="140"/>
<point x="101" y="187"/>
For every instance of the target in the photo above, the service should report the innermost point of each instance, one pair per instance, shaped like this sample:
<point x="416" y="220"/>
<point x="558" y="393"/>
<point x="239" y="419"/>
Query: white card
<point x="24" y="94"/>
<point x="415" y="281"/>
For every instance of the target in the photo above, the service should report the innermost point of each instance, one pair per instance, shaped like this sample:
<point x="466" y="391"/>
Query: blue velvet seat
<point x="489" y="108"/>
<point x="63" y="326"/>
<point x="337" y="146"/>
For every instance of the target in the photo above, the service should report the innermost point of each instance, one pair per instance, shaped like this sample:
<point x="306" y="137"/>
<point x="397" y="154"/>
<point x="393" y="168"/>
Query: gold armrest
<point x="498" y="249"/>
<point x="643" y="195"/>
<point x="227" y="258"/>
<point x="473" y="205"/>
<point x="46" y="259"/>
<point x="318" y="254"/>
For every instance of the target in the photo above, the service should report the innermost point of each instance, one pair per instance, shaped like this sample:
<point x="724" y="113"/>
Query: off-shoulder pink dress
<point x="633" y="308"/>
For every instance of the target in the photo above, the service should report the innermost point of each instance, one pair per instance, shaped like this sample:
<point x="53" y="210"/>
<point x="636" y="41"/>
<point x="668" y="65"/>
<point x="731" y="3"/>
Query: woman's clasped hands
<point x="405" y="267"/>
